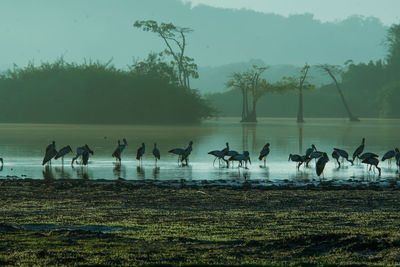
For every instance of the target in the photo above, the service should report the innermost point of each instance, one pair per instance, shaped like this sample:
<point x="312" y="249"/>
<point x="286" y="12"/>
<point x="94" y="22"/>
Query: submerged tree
<point x="331" y="70"/>
<point x="299" y="84"/>
<point x="175" y="39"/>
<point x="250" y="83"/>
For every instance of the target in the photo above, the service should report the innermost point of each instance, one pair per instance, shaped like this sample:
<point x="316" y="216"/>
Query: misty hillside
<point x="213" y="79"/>
<point x="39" y="32"/>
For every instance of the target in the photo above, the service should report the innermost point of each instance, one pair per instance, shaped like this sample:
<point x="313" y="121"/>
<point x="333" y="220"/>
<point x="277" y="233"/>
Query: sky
<point x="388" y="11"/>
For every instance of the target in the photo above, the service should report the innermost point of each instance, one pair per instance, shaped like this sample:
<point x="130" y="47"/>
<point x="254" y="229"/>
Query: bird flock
<point x="227" y="157"/>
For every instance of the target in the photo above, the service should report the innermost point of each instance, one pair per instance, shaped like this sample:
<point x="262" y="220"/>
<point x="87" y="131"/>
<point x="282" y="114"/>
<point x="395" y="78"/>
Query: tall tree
<point x="299" y="84"/>
<point x="393" y="43"/>
<point x="175" y="39"/>
<point x="331" y="70"/>
<point x="251" y="82"/>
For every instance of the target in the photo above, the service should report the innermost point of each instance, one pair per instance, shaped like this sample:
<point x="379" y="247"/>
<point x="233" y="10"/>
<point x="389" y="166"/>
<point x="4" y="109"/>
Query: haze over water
<point x="23" y="145"/>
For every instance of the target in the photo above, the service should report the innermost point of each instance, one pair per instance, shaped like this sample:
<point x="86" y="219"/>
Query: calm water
<point x="22" y="148"/>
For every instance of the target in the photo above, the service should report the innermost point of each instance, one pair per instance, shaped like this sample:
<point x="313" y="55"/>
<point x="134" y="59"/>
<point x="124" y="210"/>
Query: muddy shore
<point x="82" y="222"/>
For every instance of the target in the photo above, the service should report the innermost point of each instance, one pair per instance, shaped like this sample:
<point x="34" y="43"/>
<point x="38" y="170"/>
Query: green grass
<point x="219" y="226"/>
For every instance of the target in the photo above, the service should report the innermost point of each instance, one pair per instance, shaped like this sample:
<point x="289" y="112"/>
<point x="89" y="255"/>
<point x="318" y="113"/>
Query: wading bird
<point x="156" y="153"/>
<point x="230" y="154"/>
<point x="372" y="161"/>
<point x="297" y="158"/>
<point x="368" y="155"/>
<point x="50" y="153"/>
<point x="63" y="151"/>
<point x="186" y="153"/>
<point x="314" y="155"/>
<point x="218" y="154"/>
<point x="359" y="150"/>
<point x="344" y="155"/>
<point x="140" y="152"/>
<point x="264" y="153"/>
<point x="336" y="156"/>
<point x="310" y="150"/>
<point x="83" y="152"/>
<point x="389" y="155"/>
<point x="226" y="149"/>
<point x="240" y="158"/>
<point x="118" y="151"/>
<point x="319" y="167"/>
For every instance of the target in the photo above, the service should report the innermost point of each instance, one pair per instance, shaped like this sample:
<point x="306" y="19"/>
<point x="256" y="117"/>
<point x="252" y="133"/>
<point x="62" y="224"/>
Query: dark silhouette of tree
<point x="175" y="39"/>
<point x="250" y="82"/>
<point x="331" y="70"/>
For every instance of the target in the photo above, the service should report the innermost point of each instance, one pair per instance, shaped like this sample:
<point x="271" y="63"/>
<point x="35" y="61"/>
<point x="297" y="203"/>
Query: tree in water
<point x="331" y="70"/>
<point x="250" y="82"/>
<point x="299" y="84"/>
<point x="175" y="39"/>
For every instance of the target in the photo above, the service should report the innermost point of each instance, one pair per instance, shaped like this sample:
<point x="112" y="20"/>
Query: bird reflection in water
<point x="119" y="170"/>
<point x="140" y="172"/>
<point x="81" y="172"/>
<point x="47" y="173"/>
<point x="156" y="172"/>
<point x="62" y="173"/>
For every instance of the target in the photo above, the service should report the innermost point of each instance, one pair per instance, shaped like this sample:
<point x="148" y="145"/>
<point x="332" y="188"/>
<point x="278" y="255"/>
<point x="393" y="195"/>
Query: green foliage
<point x="390" y="96"/>
<point x="175" y="40"/>
<point x="93" y="92"/>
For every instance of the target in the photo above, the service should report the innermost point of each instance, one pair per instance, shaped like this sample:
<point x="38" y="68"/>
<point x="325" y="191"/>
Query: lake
<point x="23" y="145"/>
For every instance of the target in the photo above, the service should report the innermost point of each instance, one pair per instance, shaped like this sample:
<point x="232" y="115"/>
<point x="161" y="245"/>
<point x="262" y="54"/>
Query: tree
<point x="299" y="84"/>
<point x="393" y="43"/>
<point x="250" y="82"/>
<point x="175" y="39"/>
<point x="331" y="70"/>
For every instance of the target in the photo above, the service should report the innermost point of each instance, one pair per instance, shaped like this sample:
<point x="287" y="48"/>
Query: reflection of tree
<point x="249" y="128"/>
<point x="300" y="126"/>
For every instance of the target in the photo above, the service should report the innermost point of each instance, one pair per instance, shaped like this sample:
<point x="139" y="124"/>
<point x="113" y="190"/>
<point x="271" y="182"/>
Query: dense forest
<point x="371" y="90"/>
<point x="93" y="92"/>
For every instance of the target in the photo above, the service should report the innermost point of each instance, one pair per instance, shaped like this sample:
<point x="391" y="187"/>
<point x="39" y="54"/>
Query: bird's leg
<point x="265" y="162"/>
<point x="214" y="161"/>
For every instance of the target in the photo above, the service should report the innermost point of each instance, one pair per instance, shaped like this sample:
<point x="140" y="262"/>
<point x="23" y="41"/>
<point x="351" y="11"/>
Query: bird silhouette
<point x="62" y="152"/>
<point x="264" y="153"/>
<point x="156" y="153"/>
<point x="50" y="153"/>
<point x="140" y="152"/>
<point x="84" y="152"/>
<point x="320" y="166"/>
<point x="359" y="150"/>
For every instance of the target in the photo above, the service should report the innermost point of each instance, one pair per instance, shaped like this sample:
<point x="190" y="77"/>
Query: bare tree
<point x="332" y="70"/>
<point x="175" y="39"/>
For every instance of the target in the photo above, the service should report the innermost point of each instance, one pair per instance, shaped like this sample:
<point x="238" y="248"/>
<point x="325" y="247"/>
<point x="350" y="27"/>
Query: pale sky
<point x="388" y="11"/>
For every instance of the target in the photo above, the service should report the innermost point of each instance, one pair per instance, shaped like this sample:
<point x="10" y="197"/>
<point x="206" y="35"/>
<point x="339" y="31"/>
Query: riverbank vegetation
<point x="93" y="92"/>
<point x="358" y="90"/>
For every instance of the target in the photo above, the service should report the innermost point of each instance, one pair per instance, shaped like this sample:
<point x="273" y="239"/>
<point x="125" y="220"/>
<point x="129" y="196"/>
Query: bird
<point x="226" y="149"/>
<point x="62" y="152"/>
<point x="344" y="155"/>
<point x="372" y="161"/>
<point x="264" y="153"/>
<point x="310" y="150"/>
<point x="297" y="158"/>
<point x="218" y="154"/>
<point x="368" y="155"/>
<point x="140" y="152"/>
<point x="240" y="158"/>
<point x="314" y="155"/>
<point x="84" y="152"/>
<point x="186" y="153"/>
<point x="50" y="153"/>
<point x="177" y="151"/>
<point x="336" y="156"/>
<point x="156" y="153"/>
<point x="118" y="151"/>
<point x="319" y="167"/>
<point x="359" y="150"/>
<point x="390" y="154"/>
<point x="231" y="153"/>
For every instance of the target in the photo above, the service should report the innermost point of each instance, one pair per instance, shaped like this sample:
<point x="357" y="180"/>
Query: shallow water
<point x="22" y="148"/>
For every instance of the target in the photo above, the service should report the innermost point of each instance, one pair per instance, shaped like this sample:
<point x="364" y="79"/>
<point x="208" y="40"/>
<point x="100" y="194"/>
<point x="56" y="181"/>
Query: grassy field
<point x="196" y="225"/>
